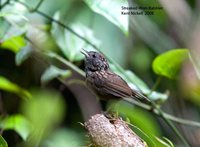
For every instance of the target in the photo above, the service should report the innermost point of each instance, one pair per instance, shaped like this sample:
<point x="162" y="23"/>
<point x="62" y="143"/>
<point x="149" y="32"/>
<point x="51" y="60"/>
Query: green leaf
<point x="45" y="112"/>
<point x="111" y="10"/>
<point x="137" y="84"/>
<point x="14" y="14"/>
<point x="53" y="72"/>
<point x="23" y="54"/>
<point x="3" y="143"/>
<point x="69" y="43"/>
<point x="4" y="28"/>
<point x="14" y="43"/>
<point x="7" y="85"/>
<point x="44" y="40"/>
<point x="18" y="123"/>
<point x="169" y="63"/>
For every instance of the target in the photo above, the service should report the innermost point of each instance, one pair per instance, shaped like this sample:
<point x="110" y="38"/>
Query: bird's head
<point x="94" y="61"/>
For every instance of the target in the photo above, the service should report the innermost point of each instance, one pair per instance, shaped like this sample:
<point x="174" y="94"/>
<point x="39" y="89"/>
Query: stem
<point x="3" y="5"/>
<point x="181" y="120"/>
<point x="168" y="116"/>
<point x="69" y="64"/>
<point x="59" y="58"/>
<point x="175" y="130"/>
<point x="171" y="125"/>
<point x="37" y="6"/>
<point x="66" y="27"/>
<point x="156" y="84"/>
<point x="142" y="105"/>
<point x="59" y="23"/>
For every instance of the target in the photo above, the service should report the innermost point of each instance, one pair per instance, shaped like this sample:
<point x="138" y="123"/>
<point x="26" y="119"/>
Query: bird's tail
<point x="140" y="96"/>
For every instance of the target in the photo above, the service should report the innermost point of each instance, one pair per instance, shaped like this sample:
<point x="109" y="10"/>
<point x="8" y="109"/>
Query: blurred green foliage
<point x="22" y="55"/>
<point x="3" y="143"/>
<point x="45" y="107"/>
<point x="7" y="85"/>
<point x="63" y="138"/>
<point x="53" y="72"/>
<point x="18" y="123"/>
<point x="14" y="44"/>
<point x="169" y="63"/>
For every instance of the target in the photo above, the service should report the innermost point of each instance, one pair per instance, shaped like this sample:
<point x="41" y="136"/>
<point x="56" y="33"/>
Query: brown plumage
<point x="103" y="81"/>
<point x="108" y="83"/>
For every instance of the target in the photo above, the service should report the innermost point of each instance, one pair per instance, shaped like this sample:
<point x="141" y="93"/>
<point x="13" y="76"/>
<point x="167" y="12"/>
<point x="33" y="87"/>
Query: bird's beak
<point x="84" y="52"/>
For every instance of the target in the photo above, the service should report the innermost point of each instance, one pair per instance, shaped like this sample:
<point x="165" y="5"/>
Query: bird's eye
<point x="94" y="56"/>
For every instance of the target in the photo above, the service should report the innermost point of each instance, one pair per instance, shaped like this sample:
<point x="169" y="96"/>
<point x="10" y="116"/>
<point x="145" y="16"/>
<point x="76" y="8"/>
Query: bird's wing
<point x="112" y="84"/>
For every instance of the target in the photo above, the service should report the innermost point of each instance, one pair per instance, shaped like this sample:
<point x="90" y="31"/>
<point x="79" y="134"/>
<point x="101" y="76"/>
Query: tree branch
<point x="111" y="133"/>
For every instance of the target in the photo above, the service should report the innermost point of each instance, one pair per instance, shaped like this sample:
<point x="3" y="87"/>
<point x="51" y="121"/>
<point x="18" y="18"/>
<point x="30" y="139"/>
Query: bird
<point x="104" y="82"/>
